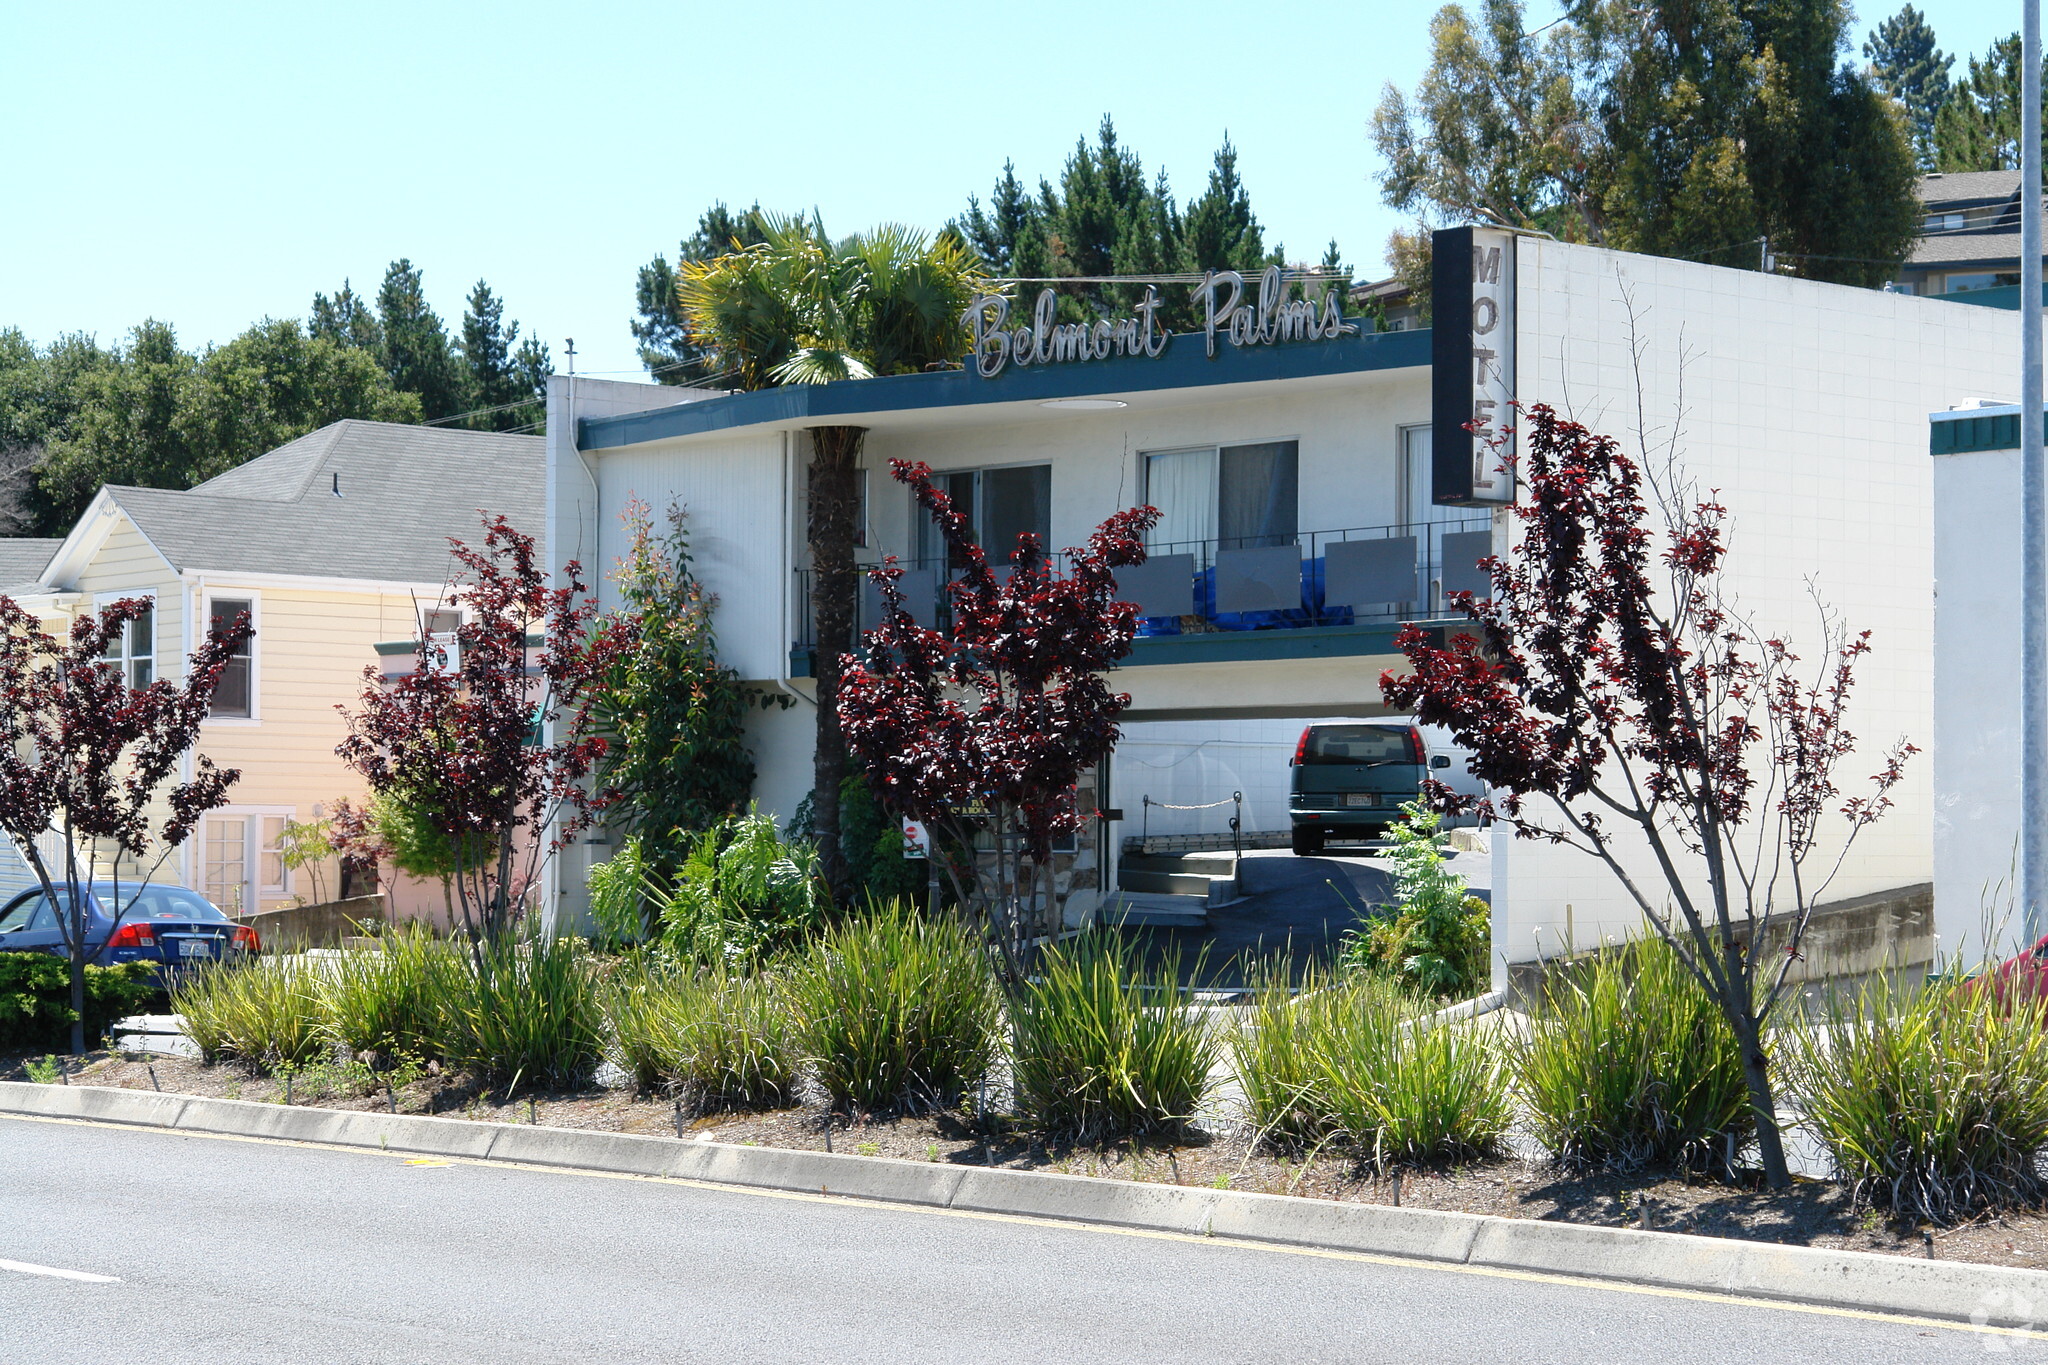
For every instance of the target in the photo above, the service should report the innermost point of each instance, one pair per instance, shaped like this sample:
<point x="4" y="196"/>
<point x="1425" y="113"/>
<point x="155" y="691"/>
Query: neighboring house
<point x="1969" y="234"/>
<point x="1319" y="489"/>
<point x="331" y="544"/>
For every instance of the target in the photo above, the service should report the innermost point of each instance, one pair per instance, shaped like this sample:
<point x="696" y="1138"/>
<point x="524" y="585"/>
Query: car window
<point x="44" y="920"/>
<point x="1360" y="744"/>
<point x="16" y="915"/>
<point x="166" y="902"/>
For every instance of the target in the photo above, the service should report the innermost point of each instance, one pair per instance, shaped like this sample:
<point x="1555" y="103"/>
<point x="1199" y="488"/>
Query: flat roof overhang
<point x="1184" y="370"/>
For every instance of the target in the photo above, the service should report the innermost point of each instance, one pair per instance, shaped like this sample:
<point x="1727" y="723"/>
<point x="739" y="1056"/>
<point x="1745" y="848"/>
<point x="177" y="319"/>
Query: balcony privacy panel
<point x="1162" y="586"/>
<point x="1361" y="572"/>
<point x="1265" y="579"/>
<point x="1258" y="491"/>
<point x="1462" y="552"/>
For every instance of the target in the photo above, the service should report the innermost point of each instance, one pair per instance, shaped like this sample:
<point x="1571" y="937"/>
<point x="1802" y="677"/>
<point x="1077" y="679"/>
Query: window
<point x="1241" y="496"/>
<point x="134" y="652"/>
<point x="441" y="621"/>
<point x="999" y="504"/>
<point x="1944" y="222"/>
<point x="235" y="697"/>
<point x="1957" y="284"/>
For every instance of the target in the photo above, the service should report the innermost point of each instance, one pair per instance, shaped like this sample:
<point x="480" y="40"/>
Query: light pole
<point x="2034" y="554"/>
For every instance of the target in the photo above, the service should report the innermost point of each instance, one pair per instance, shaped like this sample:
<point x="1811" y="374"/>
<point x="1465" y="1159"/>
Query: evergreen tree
<point x="126" y="430"/>
<point x="1011" y="217"/>
<point x="501" y="367"/>
<point x="42" y="393"/>
<point x="1978" y="129"/>
<point x="1908" y="66"/>
<point x="417" y="354"/>
<point x="347" y="319"/>
<point x="1220" y="231"/>
<point x="665" y="347"/>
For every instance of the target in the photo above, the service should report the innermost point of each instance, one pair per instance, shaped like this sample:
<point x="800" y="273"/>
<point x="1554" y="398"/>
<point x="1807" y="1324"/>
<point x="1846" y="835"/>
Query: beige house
<point x="331" y="544"/>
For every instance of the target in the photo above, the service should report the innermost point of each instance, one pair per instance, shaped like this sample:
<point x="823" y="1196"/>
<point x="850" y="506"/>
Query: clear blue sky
<point x="212" y="163"/>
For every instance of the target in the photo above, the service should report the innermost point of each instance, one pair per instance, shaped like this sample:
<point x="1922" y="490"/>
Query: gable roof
<point x="1965" y="187"/>
<point x="22" y="561"/>
<point x="355" y="499"/>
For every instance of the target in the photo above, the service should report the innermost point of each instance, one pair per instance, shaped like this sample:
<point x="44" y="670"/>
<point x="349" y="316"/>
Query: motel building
<point x="1317" y="490"/>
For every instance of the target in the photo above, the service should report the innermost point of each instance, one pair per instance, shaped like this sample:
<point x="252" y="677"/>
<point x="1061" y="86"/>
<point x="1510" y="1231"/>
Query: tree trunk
<point x="1756" y="1072"/>
<point x="78" y="983"/>
<point x="834" y="591"/>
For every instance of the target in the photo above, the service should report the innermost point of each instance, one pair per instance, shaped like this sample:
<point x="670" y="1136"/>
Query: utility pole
<point x="2033" y="514"/>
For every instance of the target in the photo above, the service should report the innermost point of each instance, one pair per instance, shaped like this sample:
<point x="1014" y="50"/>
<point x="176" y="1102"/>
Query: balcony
<point x="1313" y="594"/>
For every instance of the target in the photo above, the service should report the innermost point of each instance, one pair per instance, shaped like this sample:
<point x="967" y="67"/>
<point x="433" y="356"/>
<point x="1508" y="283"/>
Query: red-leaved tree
<point x="989" y="727"/>
<point x="1617" y="701"/>
<point x="494" y="751"/>
<point x="88" y="758"/>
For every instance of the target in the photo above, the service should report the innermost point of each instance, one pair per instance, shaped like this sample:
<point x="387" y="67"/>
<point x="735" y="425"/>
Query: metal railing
<point x="1214" y="564"/>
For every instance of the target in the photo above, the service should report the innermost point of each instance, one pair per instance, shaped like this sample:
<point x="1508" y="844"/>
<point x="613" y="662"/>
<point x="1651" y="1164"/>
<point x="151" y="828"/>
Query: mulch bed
<point x="1813" y="1213"/>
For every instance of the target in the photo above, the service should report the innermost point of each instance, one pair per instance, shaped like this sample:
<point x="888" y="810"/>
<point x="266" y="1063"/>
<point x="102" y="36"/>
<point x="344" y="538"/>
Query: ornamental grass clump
<point x="1106" y="1047"/>
<point x="715" y="1038"/>
<point x="1930" y="1102"/>
<point x="1273" y="1049"/>
<point x="393" y="1001"/>
<point x="1628" y="1061"/>
<point x="897" y="1010"/>
<point x="1397" y="1087"/>
<point x="525" y="1012"/>
<point x="262" y="1014"/>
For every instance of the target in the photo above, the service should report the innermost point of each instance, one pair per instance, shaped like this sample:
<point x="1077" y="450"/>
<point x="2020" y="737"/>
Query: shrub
<point x="1273" y="1050"/>
<point x="897" y="1009"/>
<point x="1627" y="1060"/>
<point x="1438" y="938"/>
<point x="525" y="1012"/>
<point x="1106" y="1047"/>
<point x="393" y="1001"/>
<point x="619" y="889"/>
<point x="264" y="1014"/>
<point x="1400" y="1088"/>
<point x="742" y="893"/>
<point x="1933" y="1103"/>
<point x="714" y="1037"/>
<point x="35" y="999"/>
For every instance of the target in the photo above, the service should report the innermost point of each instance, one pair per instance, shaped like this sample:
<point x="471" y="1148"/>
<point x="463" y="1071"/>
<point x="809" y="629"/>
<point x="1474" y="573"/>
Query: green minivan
<point x="1350" y="780"/>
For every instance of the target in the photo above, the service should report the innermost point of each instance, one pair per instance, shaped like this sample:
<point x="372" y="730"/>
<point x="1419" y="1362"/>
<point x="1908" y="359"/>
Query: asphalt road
<point x="224" y="1251"/>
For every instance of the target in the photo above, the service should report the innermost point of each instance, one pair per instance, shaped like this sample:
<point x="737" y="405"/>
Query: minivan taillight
<point x="1300" y="749"/>
<point x="133" y="936"/>
<point x="1415" y="745"/>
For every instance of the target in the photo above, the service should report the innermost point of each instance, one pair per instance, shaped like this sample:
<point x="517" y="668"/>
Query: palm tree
<point x="799" y="308"/>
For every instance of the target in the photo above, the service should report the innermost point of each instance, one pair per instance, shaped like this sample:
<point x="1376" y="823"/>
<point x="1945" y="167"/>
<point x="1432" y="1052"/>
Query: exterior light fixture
<point x="1084" y="404"/>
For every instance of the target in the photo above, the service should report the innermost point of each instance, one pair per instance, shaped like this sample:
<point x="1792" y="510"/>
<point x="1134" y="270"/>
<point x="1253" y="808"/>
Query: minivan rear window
<point x="1360" y="744"/>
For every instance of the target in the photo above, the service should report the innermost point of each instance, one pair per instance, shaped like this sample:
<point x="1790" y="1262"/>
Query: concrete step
<point x="1222" y="864"/>
<point x="1146" y="910"/>
<point x="1212" y="875"/>
<point x="1163" y="883"/>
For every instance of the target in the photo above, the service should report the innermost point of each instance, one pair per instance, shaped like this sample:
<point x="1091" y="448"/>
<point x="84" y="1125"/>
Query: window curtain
<point x="1015" y="502"/>
<point x="1182" y="485"/>
<point x="1257" y="495"/>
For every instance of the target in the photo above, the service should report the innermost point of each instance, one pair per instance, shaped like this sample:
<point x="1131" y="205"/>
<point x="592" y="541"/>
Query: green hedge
<point x="35" y="999"/>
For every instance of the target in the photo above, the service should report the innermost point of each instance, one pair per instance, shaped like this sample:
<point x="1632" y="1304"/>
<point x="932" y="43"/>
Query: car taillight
<point x="133" y="936"/>
<point x="1300" y="751"/>
<point x="246" y="940"/>
<point x="1415" y="744"/>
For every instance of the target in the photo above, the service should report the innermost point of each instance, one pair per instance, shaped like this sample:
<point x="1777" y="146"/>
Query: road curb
<point x="1995" y="1296"/>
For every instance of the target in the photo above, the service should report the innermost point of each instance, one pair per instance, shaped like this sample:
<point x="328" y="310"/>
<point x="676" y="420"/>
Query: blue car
<point x="167" y="925"/>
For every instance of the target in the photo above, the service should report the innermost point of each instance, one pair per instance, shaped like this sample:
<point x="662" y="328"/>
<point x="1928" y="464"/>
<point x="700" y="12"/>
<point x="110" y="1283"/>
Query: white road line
<point x="24" y="1268"/>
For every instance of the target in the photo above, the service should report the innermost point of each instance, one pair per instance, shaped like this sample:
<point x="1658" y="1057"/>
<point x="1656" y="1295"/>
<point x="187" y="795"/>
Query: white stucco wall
<point x="1804" y="405"/>
<point x="1976" y="759"/>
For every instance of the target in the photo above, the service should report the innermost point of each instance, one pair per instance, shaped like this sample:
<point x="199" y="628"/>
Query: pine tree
<point x="487" y="346"/>
<point x="1220" y="231"/>
<point x="348" y="320"/>
<point x="1912" y="70"/>
<point x="417" y="354"/>
<point x="997" y="232"/>
<point x="1978" y="129"/>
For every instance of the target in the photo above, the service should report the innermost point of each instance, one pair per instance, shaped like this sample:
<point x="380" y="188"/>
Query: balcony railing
<point x="1356" y="576"/>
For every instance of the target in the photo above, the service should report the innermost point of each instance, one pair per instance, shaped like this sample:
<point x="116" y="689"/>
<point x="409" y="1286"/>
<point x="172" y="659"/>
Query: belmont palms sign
<point x="1267" y="318"/>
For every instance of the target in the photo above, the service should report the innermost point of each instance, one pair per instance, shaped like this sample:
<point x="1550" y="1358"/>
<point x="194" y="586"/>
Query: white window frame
<point x="921" y="523"/>
<point x="254" y="598"/>
<point x="120" y="653"/>
<point x="255" y="889"/>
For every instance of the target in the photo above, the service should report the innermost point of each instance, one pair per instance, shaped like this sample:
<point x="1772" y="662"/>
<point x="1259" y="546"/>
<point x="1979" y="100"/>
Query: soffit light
<point x="1084" y="404"/>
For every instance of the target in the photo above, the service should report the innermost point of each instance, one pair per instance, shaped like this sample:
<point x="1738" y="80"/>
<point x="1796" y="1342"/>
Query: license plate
<point x="194" y="947"/>
<point x="1361" y="798"/>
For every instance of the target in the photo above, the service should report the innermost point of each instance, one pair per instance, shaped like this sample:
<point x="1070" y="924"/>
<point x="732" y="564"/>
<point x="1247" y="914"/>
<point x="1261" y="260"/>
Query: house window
<point x="1240" y="497"/>
<point x="441" y="621"/>
<point x="999" y="504"/>
<point x="235" y="697"/>
<point x="1957" y="284"/>
<point x="1944" y="222"/>
<point x="134" y="650"/>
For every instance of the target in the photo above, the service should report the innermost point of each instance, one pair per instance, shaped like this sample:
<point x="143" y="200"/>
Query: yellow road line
<point x="1276" y="1248"/>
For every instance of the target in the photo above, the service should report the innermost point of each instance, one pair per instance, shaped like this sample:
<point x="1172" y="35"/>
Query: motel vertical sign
<point x="1473" y="366"/>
